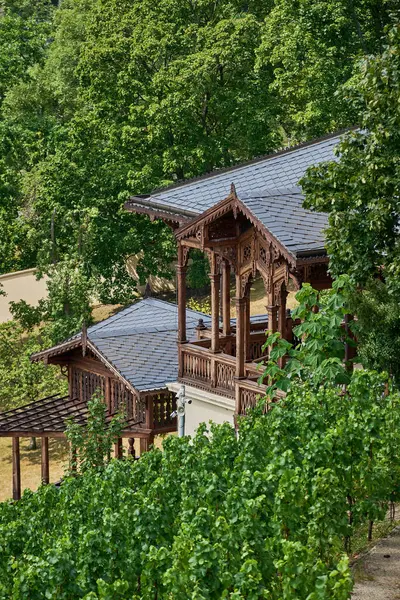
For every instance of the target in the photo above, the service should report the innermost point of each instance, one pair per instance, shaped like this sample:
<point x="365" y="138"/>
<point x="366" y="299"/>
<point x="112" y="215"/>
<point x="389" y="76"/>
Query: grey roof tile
<point x="282" y="213"/>
<point x="280" y="170"/>
<point x="140" y="341"/>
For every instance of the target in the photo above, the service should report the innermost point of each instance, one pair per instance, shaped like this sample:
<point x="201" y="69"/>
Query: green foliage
<point x="360" y="192"/>
<point x="103" y="99"/>
<point x="377" y="328"/>
<point x="22" y="381"/>
<point x="202" y="305"/>
<point x="313" y="47"/>
<point x="70" y="294"/>
<point x="91" y="444"/>
<point x="262" y="514"/>
<point x="319" y="356"/>
<point x="198" y="270"/>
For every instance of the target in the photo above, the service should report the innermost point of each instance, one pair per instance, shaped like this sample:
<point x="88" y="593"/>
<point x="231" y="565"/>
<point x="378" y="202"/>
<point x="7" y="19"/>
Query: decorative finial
<point x="200" y="326"/>
<point x="233" y="189"/>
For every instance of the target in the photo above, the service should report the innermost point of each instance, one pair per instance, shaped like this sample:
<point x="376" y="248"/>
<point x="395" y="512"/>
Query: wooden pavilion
<point x="250" y="222"/>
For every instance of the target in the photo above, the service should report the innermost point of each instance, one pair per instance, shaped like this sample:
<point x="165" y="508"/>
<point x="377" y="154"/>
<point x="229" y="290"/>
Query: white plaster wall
<point x="204" y="407"/>
<point x="21" y="285"/>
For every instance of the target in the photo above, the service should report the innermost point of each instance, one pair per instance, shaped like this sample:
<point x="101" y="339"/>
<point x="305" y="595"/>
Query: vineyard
<point x="268" y="513"/>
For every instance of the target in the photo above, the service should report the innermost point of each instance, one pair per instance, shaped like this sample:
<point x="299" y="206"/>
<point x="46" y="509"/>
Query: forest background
<point x="100" y="99"/>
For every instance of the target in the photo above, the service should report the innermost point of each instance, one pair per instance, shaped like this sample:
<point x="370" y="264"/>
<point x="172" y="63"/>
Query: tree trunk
<point x="32" y="444"/>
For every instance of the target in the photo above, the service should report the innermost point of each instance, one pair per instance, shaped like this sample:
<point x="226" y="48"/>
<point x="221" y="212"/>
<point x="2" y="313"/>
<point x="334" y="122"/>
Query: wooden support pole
<point x="181" y="289"/>
<point x="16" y="469"/>
<point x="107" y="394"/>
<point x="215" y="285"/>
<point x="118" y="448"/>
<point x="272" y="311"/>
<point x="282" y="313"/>
<point x="247" y="327"/>
<point x="45" y="461"/>
<point x="240" y="336"/>
<point x="226" y="298"/>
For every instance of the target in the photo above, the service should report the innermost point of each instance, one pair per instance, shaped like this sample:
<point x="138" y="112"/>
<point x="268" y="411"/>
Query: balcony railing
<point x="216" y="372"/>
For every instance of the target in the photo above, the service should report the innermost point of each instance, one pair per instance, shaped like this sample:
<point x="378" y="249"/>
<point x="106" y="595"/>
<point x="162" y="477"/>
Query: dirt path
<point x="378" y="574"/>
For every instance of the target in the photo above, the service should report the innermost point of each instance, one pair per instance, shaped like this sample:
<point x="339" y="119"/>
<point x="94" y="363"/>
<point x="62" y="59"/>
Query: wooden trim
<point x="215" y="285"/>
<point x="240" y="335"/>
<point x="232" y="202"/>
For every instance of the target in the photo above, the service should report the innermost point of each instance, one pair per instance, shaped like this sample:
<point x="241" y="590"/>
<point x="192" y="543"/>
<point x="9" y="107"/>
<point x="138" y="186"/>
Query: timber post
<point x="45" y="471"/>
<point x="215" y="286"/>
<point x="240" y="335"/>
<point x="16" y="469"/>
<point x="118" y="448"/>
<point x="181" y="270"/>
<point x="226" y="298"/>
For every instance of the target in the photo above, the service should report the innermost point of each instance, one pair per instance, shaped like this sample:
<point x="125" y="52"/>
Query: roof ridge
<point x="269" y="156"/>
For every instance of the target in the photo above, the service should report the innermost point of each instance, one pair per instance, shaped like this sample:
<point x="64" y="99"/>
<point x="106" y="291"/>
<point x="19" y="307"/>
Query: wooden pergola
<point x="47" y="418"/>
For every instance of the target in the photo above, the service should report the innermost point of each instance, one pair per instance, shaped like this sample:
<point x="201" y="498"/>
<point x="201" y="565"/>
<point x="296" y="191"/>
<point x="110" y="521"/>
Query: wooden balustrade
<point x="207" y="370"/>
<point x="248" y="394"/>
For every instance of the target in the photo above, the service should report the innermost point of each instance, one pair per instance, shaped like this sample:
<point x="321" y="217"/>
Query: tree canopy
<point x="107" y="98"/>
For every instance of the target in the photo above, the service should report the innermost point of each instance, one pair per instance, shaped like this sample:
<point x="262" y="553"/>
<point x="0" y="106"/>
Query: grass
<point x="30" y="464"/>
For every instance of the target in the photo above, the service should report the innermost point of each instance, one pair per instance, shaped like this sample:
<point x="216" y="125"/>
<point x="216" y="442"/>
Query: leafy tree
<point x="68" y="303"/>
<point x="22" y="381"/>
<point x="360" y="193"/>
<point x="91" y="444"/>
<point x="319" y="357"/>
<point x="313" y="48"/>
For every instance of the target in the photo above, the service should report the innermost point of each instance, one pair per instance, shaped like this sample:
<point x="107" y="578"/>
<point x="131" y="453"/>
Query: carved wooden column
<point x="45" y="472"/>
<point x="16" y="469"/>
<point x="240" y="328"/>
<point x="282" y="312"/>
<point x="215" y="285"/>
<point x="272" y="310"/>
<point x="131" y="449"/>
<point x="181" y="270"/>
<point x="226" y="298"/>
<point x="247" y="327"/>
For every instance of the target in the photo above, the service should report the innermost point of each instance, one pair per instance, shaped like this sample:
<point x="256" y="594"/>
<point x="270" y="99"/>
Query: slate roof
<point x="281" y="212"/>
<point x="280" y="170"/>
<point x="140" y="342"/>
